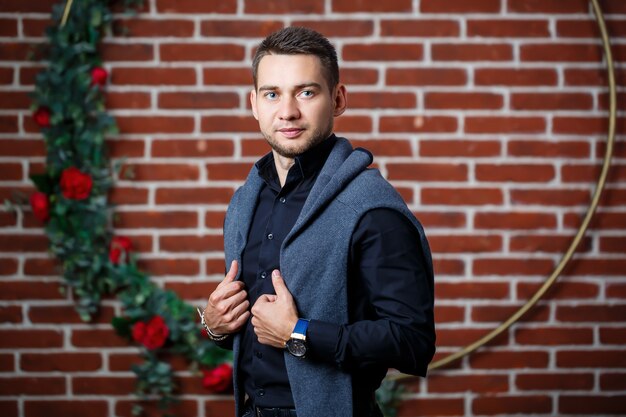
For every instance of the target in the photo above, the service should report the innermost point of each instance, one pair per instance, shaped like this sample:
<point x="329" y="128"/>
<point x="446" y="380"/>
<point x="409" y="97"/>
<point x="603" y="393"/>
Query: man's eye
<point x="270" y="95"/>
<point x="307" y="93"/>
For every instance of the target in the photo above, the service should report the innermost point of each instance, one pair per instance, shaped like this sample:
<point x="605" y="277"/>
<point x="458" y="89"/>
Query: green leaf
<point x="43" y="183"/>
<point x="122" y="326"/>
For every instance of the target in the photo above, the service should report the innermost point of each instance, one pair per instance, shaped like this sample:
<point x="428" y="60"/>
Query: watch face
<point x="296" y="347"/>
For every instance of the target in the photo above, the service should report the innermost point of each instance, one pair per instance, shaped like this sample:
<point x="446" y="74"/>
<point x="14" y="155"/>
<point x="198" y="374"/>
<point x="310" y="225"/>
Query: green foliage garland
<point x="69" y="107"/>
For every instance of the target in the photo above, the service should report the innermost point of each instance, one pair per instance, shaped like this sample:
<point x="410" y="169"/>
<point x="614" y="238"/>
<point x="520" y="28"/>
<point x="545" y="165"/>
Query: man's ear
<point x="253" y="103"/>
<point x="341" y="100"/>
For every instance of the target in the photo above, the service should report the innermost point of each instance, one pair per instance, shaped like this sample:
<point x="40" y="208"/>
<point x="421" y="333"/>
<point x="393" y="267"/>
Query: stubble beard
<point x="315" y="139"/>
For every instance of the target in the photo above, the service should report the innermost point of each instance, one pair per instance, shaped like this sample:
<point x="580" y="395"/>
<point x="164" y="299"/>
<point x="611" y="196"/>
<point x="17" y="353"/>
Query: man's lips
<point x="291" y="132"/>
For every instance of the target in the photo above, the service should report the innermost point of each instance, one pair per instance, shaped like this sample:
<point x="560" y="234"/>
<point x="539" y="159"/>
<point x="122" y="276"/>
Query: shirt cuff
<point x="322" y="338"/>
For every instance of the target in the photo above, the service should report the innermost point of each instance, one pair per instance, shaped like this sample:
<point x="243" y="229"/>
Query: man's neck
<point x="282" y="164"/>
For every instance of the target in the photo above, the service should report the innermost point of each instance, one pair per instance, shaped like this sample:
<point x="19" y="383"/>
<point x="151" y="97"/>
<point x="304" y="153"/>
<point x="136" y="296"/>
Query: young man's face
<point x="293" y="103"/>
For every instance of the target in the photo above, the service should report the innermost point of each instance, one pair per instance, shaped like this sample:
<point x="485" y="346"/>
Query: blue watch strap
<point x="301" y="326"/>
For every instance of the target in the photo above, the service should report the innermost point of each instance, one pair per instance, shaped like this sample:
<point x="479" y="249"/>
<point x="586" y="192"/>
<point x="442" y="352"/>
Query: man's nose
<point x="289" y="108"/>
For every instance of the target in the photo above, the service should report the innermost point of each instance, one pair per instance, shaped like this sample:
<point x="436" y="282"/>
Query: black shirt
<point x="388" y="289"/>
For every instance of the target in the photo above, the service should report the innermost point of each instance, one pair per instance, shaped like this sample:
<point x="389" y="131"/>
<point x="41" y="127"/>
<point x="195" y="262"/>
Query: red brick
<point x="10" y="314"/>
<point x="214" y="219"/>
<point x="545" y="243"/>
<point x="14" y="100"/>
<point x="357" y="124"/>
<point x="591" y="313"/>
<point x="165" y="267"/>
<point x="160" y="172"/>
<point x="580" y="125"/>
<point x="24" y="243"/>
<point x="60" y="362"/>
<point x="462" y="196"/>
<point x="153" y="76"/>
<point x="427" y="172"/>
<point x="550" y="197"/>
<point x="529" y="404"/>
<point x="591" y="173"/>
<point x="498" y="314"/>
<point x="551" y="101"/>
<point x="41" y="267"/>
<point x="471" y="52"/>
<point x="228" y="171"/>
<point x="591" y="358"/>
<point x="43" y="6"/>
<point x="464" y="336"/>
<point x="500" y="266"/>
<point x="227" y="76"/>
<point x="6" y="76"/>
<point x="14" y="385"/>
<point x="445" y="219"/>
<point x="192" y="291"/>
<point x="418" y="124"/>
<point x="586" y="77"/>
<point x="198" y="100"/>
<point x="616" y="290"/>
<point x="175" y="28"/>
<point x="561" y="53"/>
<point x="382" y="100"/>
<point x="554" y="381"/>
<point x="467" y="148"/>
<point x="602" y="220"/>
<point x="229" y="124"/>
<point x="338" y="28"/>
<point x="130" y="100"/>
<point x="11" y="172"/>
<point x="614" y="381"/>
<point x="468" y="383"/>
<point x="239" y="28"/>
<point x="568" y="149"/>
<point x="473" y="290"/>
<point x="193" y="195"/>
<point x="31" y="339"/>
<point x="449" y="266"/>
<point x="189" y="243"/>
<point x="425" y="76"/>
<point x="465" y="243"/>
<point x="515" y="77"/>
<point x="196" y="7"/>
<point x="612" y="244"/>
<point x="508" y="28"/>
<point x="66" y="314"/>
<point x="8" y="124"/>
<point x="460" y="6"/>
<point x="21" y="51"/>
<point x="613" y="6"/>
<point x="358" y="76"/>
<point x="73" y="408"/>
<point x="509" y="359"/>
<point x="122" y="148"/>
<point x="517" y="220"/>
<point x="155" y="124"/>
<point x="8" y="27"/>
<point x="515" y="172"/>
<point x="383" y="52"/>
<point x="7" y="364"/>
<point x="127" y="52"/>
<point x="441" y="100"/>
<point x="195" y="148"/>
<point x="385" y="147"/>
<point x="283" y="6"/>
<point x="155" y="219"/>
<point x="214" y="266"/>
<point x="449" y="314"/>
<point x="597" y="267"/>
<point x="33" y="290"/>
<point x="101" y="385"/>
<point x="592" y="404"/>
<point x="368" y="6"/>
<point x="547" y="6"/>
<point x="504" y="124"/>
<point x="97" y="338"/>
<point x="419" y="28"/>
<point x="7" y="219"/>
<point x="127" y="195"/>
<point x="554" y="336"/>
<point x="201" y="52"/>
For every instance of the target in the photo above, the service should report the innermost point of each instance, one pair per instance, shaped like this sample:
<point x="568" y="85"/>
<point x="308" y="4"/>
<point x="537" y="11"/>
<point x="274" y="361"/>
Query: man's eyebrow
<point x="297" y="87"/>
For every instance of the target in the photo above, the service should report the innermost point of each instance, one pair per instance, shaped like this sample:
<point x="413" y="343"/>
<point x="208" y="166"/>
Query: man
<point x="329" y="278"/>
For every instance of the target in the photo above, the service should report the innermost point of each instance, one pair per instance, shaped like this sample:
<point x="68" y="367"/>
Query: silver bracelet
<point x="210" y="334"/>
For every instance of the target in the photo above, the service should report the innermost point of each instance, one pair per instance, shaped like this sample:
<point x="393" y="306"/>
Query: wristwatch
<point x="296" y="345"/>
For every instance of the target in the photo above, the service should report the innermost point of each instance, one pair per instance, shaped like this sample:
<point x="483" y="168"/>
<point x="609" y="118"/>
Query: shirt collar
<point x="308" y="164"/>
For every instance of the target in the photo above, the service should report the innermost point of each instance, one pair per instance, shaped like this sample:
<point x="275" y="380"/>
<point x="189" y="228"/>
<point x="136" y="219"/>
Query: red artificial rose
<point x="75" y="185"/>
<point x="42" y="117"/>
<point x="152" y="334"/>
<point x="41" y="206"/>
<point x="99" y="76"/>
<point x="218" y="379"/>
<point x="119" y="245"/>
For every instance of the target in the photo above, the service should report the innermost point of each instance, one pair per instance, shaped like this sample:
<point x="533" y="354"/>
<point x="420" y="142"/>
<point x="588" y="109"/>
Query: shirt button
<point x="263" y="274"/>
<point x="270" y="236"/>
<point x="261" y="392"/>
<point x="282" y="199"/>
<point x="258" y="354"/>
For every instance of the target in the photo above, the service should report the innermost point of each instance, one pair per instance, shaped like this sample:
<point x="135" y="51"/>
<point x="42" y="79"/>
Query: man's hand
<point x="227" y="309"/>
<point x="275" y="316"/>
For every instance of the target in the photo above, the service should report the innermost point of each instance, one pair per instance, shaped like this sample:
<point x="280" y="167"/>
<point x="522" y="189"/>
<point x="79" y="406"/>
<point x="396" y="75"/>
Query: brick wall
<point x="489" y="116"/>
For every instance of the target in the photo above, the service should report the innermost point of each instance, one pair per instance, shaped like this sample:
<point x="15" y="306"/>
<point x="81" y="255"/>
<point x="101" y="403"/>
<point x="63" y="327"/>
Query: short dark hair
<point x="296" y="40"/>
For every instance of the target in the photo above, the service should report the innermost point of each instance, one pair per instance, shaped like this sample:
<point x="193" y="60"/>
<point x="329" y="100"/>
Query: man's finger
<point x="232" y="273"/>
<point x="279" y="284"/>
